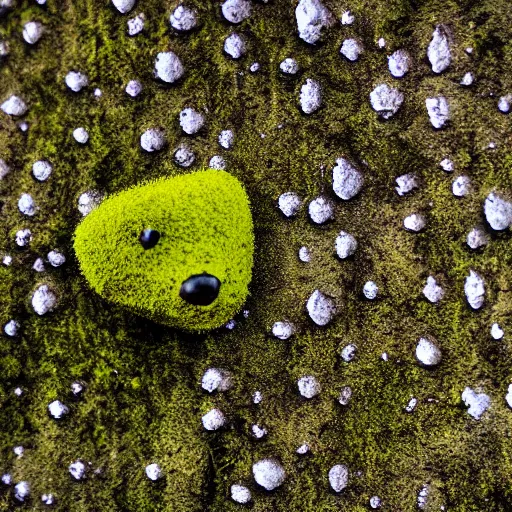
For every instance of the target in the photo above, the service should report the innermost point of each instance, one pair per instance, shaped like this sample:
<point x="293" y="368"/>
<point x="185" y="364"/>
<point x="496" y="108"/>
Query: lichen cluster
<point x="403" y="433"/>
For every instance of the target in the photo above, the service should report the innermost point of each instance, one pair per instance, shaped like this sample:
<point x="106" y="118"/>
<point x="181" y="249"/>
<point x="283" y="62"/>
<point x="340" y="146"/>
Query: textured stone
<point x="216" y="379"/>
<point x="309" y="386"/>
<point x="234" y="46"/>
<point x="269" y="474"/>
<point x="43" y="300"/>
<point x="438" y="111"/>
<point x="427" y="352"/>
<point x="289" y="66"/>
<point x="406" y="183"/>
<point x="432" y="291"/>
<point x="123" y="6"/>
<point x="183" y="18"/>
<point x="321" y="210"/>
<point x="236" y="11"/>
<point x="347" y="181"/>
<point x="213" y="420"/>
<point x="415" y="222"/>
<point x="321" y="308"/>
<point x="439" y="52"/>
<point x="152" y="139"/>
<point x="386" y="100"/>
<point x="346" y="245"/>
<point x="477" y="403"/>
<point x="240" y="494"/>
<point x="32" y="32"/>
<point x="399" y="63"/>
<point x="76" y="81"/>
<point x="312" y="18"/>
<point x="168" y="67"/>
<point x="191" y="121"/>
<point x="283" y="330"/>
<point x="14" y="106"/>
<point x="153" y="471"/>
<point x="289" y="203"/>
<point x="310" y="96"/>
<point x="338" y="477"/>
<point x="474" y="288"/>
<point x="351" y="49"/>
<point x="498" y="212"/>
<point x="57" y="409"/>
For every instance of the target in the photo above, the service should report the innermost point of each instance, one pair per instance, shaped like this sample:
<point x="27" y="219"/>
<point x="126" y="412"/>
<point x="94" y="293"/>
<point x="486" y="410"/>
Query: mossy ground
<point x="143" y="400"/>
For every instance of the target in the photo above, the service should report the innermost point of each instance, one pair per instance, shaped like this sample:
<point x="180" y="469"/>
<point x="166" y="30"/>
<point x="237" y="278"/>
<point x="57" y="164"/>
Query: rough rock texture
<point x="310" y="96"/>
<point x="386" y="100"/>
<point x="427" y="352"/>
<point x="347" y="181"/>
<point x="438" y="111"/>
<point x="399" y="63"/>
<point x="439" y="51"/>
<point x="143" y="401"/>
<point x="312" y="18"/>
<point x="498" y="212"/>
<point x="477" y="403"/>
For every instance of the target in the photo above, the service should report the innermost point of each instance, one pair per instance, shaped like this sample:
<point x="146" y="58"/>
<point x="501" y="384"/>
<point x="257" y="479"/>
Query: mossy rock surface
<point x="204" y="226"/>
<point x="143" y="400"/>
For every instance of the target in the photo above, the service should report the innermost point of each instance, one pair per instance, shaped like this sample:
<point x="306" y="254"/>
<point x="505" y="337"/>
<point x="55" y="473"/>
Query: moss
<point x="204" y="226"/>
<point x="143" y="401"/>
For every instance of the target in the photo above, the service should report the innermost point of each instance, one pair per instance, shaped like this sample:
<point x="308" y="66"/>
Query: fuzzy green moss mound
<point x="205" y="226"/>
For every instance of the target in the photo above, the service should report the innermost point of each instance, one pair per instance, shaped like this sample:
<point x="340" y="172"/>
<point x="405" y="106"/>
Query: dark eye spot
<point x="200" y="290"/>
<point x="148" y="238"/>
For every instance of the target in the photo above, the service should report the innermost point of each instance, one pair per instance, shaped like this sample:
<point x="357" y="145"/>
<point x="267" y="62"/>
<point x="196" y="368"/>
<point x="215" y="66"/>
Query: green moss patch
<point x="204" y="226"/>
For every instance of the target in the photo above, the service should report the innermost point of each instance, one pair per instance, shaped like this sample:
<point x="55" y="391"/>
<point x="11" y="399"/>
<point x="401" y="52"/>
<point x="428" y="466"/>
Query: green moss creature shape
<point x="177" y="250"/>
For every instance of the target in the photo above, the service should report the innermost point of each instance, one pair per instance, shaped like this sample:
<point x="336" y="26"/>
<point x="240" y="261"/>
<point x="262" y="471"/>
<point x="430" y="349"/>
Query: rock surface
<point x="347" y="181"/>
<point x="439" y="51"/>
<point x="312" y="18"/>
<point x="269" y="474"/>
<point x="321" y="308"/>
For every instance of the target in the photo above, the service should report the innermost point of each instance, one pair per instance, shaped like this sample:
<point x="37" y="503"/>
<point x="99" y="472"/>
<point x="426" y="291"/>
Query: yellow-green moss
<point x="205" y="227"/>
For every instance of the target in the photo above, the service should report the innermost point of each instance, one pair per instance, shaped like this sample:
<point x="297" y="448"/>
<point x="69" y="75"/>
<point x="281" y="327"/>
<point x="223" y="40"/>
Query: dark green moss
<point x="143" y="402"/>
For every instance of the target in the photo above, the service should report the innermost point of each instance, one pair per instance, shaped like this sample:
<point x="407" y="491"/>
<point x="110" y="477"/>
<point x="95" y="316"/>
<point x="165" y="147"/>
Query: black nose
<point x="148" y="238"/>
<point x="200" y="290"/>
